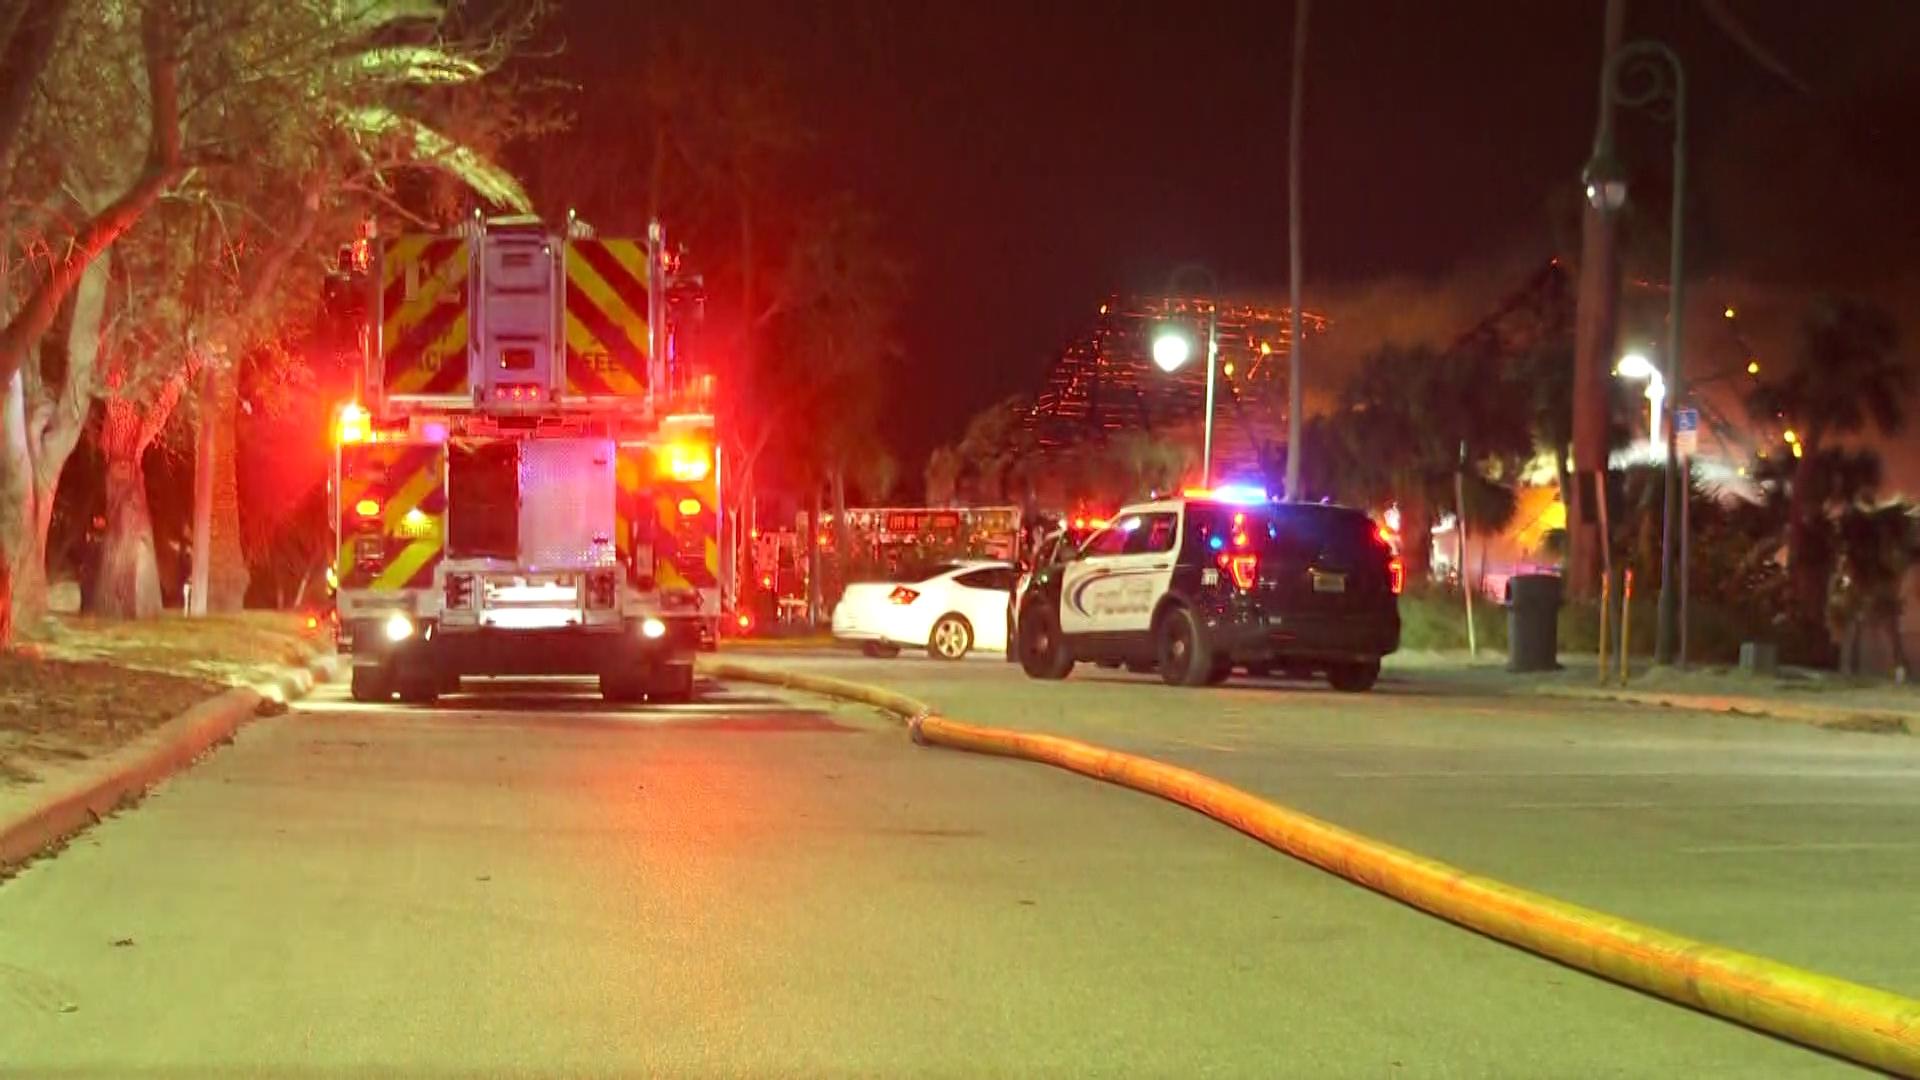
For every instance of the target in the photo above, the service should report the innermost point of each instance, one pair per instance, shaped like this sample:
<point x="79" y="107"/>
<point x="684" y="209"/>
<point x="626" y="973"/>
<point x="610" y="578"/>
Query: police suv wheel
<point x="1186" y="659"/>
<point x="1355" y="676"/>
<point x="951" y="639"/>
<point x="1043" y="654"/>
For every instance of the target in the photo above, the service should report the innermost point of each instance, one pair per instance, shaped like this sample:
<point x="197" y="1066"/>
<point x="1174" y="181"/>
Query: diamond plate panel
<point x="566" y="504"/>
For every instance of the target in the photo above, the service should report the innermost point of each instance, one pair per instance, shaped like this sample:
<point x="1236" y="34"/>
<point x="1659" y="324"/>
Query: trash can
<point x="1533" y="622"/>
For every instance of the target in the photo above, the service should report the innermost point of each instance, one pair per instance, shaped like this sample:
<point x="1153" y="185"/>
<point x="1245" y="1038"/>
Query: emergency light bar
<point x="1242" y="494"/>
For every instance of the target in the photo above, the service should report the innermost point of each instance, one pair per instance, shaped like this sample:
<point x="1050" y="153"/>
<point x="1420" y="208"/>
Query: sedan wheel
<point x="951" y="638"/>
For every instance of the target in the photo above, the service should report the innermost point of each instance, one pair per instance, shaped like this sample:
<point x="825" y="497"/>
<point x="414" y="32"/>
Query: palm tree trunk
<point x="23" y="586"/>
<point x="203" y="465"/>
<point x="226" y="587"/>
<point x="1416" y="539"/>
<point x="813" y="554"/>
<point x="127" y="584"/>
<point x="842" y="529"/>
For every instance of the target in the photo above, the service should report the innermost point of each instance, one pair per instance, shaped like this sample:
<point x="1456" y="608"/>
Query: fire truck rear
<point x="528" y="483"/>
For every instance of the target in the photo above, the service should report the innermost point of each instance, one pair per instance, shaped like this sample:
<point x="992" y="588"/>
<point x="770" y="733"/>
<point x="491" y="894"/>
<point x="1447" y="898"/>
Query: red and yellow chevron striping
<point x="606" y="328"/>
<point x="675" y="521"/>
<point x="423" y="328"/>
<point x="393" y="515"/>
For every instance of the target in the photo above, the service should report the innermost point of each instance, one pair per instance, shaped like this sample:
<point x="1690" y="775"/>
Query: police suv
<point x="1199" y="585"/>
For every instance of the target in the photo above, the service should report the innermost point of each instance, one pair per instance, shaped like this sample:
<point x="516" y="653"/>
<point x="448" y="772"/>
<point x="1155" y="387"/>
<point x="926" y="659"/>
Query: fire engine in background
<point x="884" y="538"/>
<point x="529" y="482"/>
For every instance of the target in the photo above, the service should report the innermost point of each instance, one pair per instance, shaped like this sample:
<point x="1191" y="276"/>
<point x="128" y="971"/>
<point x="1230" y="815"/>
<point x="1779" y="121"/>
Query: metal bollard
<point x="1626" y="621"/>
<point x="1606" y="584"/>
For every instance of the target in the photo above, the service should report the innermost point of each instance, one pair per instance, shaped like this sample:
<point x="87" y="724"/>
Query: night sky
<point x="1028" y="159"/>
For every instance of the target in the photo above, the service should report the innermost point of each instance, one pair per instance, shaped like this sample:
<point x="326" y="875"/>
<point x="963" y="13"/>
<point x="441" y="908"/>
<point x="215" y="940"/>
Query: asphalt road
<point x="1794" y="842"/>
<point x="524" y="883"/>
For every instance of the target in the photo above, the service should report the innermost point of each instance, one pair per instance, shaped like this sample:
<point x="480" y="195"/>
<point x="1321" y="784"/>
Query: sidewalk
<point x="1822" y="699"/>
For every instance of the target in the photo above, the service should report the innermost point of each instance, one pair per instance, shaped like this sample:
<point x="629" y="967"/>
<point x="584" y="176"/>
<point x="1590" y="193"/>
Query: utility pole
<point x="1296" y="349"/>
<point x="1594" y="330"/>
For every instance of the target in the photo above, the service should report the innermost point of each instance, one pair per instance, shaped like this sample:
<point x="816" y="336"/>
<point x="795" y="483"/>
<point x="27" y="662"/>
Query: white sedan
<point x="949" y="610"/>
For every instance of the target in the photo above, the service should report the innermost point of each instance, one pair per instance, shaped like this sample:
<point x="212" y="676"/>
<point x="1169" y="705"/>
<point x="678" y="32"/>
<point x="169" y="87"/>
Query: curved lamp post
<point x="1171" y="350"/>
<point x="1643" y="74"/>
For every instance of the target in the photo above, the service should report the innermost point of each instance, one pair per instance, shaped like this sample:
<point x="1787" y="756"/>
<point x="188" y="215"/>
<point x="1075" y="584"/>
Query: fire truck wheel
<point x="951" y="639"/>
<point x="372" y="684"/>
<point x="672" y="684"/>
<point x="620" y="686"/>
<point x="879" y="649"/>
<point x="418" y="683"/>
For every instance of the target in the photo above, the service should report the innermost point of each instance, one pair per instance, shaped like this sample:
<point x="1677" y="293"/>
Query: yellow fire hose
<point x="1869" y="1026"/>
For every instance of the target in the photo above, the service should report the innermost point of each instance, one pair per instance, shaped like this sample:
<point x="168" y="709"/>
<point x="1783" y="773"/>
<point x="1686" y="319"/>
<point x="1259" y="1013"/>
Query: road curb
<point x="1863" y="1024"/>
<point x="130" y="770"/>
<point x="125" y="773"/>
<point x="1875" y="720"/>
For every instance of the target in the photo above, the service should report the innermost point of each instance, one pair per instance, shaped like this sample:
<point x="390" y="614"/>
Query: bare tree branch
<point x="1735" y="29"/>
<point x="163" y="168"/>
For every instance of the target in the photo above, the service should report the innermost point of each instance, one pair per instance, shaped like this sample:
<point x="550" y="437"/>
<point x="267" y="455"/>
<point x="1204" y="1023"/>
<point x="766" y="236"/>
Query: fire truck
<point x="528" y="479"/>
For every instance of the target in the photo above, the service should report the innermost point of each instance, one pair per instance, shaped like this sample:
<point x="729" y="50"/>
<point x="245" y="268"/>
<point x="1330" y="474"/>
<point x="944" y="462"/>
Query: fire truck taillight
<point x="459" y="591"/>
<point x="355" y="425"/>
<point x="601" y="589"/>
<point x="689" y="507"/>
<point x="1396" y="575"/>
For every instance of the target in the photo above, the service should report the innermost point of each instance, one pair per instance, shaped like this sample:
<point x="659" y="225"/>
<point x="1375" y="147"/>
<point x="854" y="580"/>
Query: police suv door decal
<point x="1115" y="586"/>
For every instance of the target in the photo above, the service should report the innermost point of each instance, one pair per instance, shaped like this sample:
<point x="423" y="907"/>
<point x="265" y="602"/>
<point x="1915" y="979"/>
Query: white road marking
<point x="1586" y="805"/>
<point x="1812" y="846"/>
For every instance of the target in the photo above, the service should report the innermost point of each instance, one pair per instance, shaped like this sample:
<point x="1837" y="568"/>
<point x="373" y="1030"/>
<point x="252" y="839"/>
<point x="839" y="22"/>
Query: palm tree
<point x="1403" y="423"/>
<point x="1878" y="546"/>
<point x="1847" y="377"/>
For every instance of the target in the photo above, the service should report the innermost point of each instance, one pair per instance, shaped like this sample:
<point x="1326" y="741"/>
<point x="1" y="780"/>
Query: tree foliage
<point x="209" y="144"/>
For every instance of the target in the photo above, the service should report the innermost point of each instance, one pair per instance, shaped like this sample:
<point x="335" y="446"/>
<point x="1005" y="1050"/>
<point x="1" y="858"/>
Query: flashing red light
<point x="744" y="621"/>
<point x="766" y="581"/>
<point x="313" y="622"/>
<point x="367" y="508"/>
<point x="687" y="462"/>
<point x="1396" y="575"/>
<point x="1080" y="523"/>
<point x="1242" y="568"/>
<point x="1385" y="534"/>
<point x="902" y="595"/>
<point x="355" y="424"/>
<point x="1239" y="539"/>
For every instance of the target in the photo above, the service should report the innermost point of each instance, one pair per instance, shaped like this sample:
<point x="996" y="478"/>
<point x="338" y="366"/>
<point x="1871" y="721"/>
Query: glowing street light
<point x="1637" y="367"/>
<point x="1171" y="350"/>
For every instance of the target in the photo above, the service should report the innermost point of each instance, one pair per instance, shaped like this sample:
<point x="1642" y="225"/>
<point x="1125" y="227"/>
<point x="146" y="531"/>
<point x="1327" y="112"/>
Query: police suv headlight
<point x="399" y="627"/>
<point x="651" y="627"/>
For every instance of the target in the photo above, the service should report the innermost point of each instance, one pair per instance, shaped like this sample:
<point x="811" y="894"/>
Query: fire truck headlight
<point x="399" y="627"/>
<point x="651" y="627"/>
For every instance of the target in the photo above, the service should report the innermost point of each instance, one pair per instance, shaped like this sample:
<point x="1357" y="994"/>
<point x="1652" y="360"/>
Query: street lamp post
<point x="1171" y="350"/>
<point x="1639" y="74"/>
<point x="1206" y="429"/>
